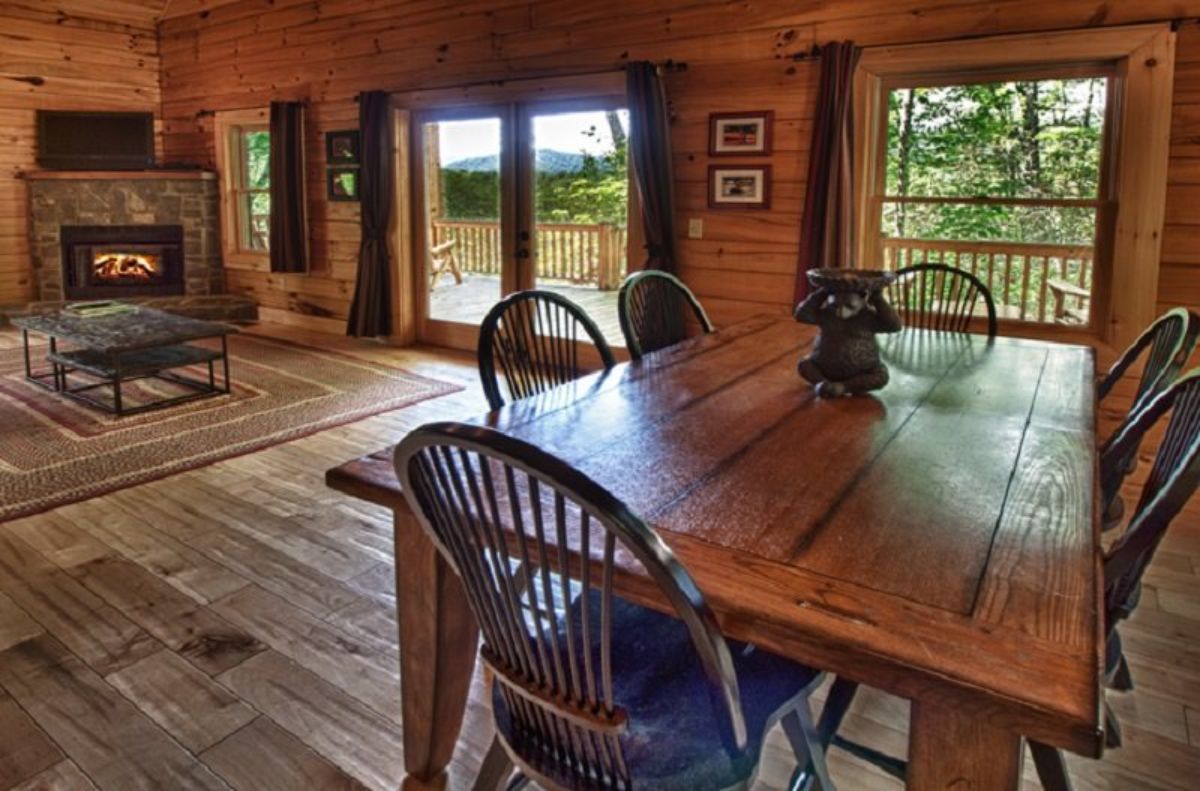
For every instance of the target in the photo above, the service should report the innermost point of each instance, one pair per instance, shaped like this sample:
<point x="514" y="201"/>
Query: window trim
<point x="1138" y="138"/>
<point x="229" y="168"/>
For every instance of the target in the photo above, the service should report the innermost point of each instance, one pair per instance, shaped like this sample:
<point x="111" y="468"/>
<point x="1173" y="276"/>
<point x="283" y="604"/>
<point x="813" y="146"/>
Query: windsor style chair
<point x="1166" y="344"/>
<point x="652" y="307"/>
<point x="1171" y="482"/>
<point x="940" y="297"/>
<point x="532" y="338"/>
<point x="589" y="690"/>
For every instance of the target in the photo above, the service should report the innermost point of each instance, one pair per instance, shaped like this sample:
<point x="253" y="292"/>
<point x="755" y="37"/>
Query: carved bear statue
<point x="845" y="358"/>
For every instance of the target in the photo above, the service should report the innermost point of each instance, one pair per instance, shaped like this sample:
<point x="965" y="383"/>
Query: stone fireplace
<point x="106" y="235"/>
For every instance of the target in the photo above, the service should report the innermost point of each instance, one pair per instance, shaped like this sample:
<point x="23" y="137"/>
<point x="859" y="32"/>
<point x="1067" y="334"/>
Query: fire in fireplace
<point x="113" y="261"/>
<point x="119" y="266"/>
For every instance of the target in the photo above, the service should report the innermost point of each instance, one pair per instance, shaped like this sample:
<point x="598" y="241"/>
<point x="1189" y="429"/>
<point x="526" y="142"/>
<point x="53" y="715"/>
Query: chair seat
<point x="674" y="740"/>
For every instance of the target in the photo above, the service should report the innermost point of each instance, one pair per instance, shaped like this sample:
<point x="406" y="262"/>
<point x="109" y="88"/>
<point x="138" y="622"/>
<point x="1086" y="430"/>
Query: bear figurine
<point x="845" y="357"/>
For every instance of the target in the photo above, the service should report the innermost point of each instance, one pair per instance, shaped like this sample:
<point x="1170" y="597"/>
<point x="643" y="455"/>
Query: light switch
<point x="695" y="228"/>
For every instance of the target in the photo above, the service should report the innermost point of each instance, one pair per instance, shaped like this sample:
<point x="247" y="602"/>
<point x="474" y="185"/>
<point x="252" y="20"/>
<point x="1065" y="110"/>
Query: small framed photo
<point x="740" y="187"/>
<point x="342" y="183"/>
<point x="744" y="134"/>
<point x="341" y="148"/>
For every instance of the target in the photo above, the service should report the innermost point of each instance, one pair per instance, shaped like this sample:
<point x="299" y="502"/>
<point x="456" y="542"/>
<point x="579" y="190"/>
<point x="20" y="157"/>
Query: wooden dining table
<point x="938" y="539"/>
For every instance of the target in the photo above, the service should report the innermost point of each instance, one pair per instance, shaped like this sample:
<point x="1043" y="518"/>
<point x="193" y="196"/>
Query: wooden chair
<point x="442" y="260"/>
<point x="1166" y="344"/>
<point x="940" y="297"/>
<point x="1171" y="483"/>
<point x="587" y="690"/>
<point x="532" y="337"/>
<point x="652" y="307"/>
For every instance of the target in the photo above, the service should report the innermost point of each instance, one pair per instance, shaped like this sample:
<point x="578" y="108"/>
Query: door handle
<point x="522" y="253"/>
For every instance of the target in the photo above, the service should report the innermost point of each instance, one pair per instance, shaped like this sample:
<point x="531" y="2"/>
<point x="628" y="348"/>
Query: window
<point x="1001" y="178"/>
<point x="243" y="146"/>
<point x="251" y="192"/>
<point x="1124" y="197"/>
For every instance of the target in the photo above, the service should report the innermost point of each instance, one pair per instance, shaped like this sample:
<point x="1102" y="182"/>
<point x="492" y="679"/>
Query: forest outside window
<point x="1002" y="177"/>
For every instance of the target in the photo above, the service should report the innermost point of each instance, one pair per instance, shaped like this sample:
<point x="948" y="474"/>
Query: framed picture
<point x="739" y="187"/>
<point x="342" y="183"/>
<point x="341" y="148"/>
<point x="734" y="134"/>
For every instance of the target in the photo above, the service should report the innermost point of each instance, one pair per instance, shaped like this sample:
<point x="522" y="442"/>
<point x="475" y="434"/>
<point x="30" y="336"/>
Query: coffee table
<point x="114" y="349"/>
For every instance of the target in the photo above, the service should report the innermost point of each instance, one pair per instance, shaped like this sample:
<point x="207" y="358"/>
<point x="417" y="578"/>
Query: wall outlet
<point x="695" y="228"/>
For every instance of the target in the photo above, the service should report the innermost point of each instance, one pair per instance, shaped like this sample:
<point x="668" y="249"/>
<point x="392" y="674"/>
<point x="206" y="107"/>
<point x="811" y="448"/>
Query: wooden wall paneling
<point x="240" y="55"/>
<point x="94" y="55"/>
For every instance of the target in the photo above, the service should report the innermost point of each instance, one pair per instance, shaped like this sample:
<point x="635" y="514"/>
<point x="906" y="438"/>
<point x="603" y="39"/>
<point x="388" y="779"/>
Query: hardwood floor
<point x="233" y="626"/>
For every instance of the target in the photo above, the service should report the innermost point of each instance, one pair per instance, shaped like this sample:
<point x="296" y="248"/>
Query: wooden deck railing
<point x="1018" y="275"/>
<point x="570" y="252"/>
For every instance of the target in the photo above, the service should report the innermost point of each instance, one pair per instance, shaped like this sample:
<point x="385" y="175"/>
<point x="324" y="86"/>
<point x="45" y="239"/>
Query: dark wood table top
<point x="938" y="539"/>
<point x="140" y="328"/>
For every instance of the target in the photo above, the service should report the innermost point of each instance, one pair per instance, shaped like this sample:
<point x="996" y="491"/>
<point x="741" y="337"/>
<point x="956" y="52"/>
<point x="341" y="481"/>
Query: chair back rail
<point x="940" y="297"/>
<point x="1172" y="481"/>
<point x="492" y="504"/>
<point x="531" y="338"/>
<point x="652" y="307"/>
<point x="1168" y="343"/>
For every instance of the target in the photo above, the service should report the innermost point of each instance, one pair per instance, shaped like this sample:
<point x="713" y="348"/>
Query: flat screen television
<point x="95" y="140"/>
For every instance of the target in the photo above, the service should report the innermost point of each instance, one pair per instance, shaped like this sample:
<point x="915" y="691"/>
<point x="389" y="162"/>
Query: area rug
<point x="54" y="451"/>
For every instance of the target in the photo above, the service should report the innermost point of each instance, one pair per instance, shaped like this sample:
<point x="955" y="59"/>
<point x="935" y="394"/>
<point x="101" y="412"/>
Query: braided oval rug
<point x="55" y="451"/>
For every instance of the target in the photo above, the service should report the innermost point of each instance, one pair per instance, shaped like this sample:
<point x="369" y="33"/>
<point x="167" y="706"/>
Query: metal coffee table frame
<point x="116" y="367"/>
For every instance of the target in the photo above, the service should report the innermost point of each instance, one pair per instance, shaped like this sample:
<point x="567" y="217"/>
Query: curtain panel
<point x="827" y="227"/>
<point x="371" y="311"/>
<point x="289" y="223"/>
<point x="650" y="152"/>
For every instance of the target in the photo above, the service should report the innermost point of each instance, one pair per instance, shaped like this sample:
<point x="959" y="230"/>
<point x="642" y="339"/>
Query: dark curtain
<point x="371" y="311"/>
<point x="827" y="229"/>
<point x="289" y="226"/>
<point x="650" y="152"/>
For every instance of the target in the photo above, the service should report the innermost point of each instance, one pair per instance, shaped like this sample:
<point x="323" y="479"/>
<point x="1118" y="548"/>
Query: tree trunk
<point x="614" y="126"/>
<point x="1029" y="133"/>
<point x="905" y="155"/>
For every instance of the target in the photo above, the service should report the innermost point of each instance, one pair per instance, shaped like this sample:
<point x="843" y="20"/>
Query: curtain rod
<point x="666" y="65"/>
<point x="814" y="52"/>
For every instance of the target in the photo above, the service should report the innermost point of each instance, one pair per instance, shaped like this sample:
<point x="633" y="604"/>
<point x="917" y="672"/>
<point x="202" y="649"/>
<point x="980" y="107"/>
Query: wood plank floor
<point x="233" y="627"/>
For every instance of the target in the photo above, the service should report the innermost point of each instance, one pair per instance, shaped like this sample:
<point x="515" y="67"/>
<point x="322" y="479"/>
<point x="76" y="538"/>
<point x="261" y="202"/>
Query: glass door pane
<point x="463" y="218"/>
<point x="580" y="207"/>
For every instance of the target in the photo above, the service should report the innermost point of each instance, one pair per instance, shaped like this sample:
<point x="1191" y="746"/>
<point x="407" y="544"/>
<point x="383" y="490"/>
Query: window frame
<point x="1137" y="138"/>
<point x="1103" y="204"/>
<point x="228" y="130"/>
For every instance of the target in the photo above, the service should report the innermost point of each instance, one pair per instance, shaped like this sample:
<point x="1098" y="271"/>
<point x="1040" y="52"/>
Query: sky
<point x="562" y="132"/>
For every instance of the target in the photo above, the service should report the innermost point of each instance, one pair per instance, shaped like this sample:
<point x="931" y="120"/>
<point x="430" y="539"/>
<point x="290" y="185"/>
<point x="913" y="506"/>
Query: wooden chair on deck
<point x="532" y="337"/>
<point x="940" y="297"/>
<point x="1171" y="483"/>
<point x="652" y="307"/>
<point x="587" y="690"/>
<point x="442" y="260"/>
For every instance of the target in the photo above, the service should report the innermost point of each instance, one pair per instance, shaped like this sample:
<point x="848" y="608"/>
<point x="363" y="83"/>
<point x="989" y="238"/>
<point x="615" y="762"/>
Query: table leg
<point x="438" y="642"/>
<point x="951" y="749"/>
<point x="116" y="362"/>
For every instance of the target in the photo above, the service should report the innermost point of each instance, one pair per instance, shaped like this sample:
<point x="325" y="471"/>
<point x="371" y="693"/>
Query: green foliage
<point x="257" y="147"/>
<point x="1010" y="140"/>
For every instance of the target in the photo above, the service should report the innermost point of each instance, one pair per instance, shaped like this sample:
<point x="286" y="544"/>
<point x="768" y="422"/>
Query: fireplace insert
<point x="112" y="261"/>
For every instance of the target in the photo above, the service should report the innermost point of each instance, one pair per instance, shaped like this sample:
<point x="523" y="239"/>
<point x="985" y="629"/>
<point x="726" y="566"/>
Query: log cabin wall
<point x="69" y="55"/>
<point x="740" y="56"/>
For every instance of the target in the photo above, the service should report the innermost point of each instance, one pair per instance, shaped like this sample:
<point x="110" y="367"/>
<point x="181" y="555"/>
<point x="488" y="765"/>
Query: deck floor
<point x="470" y="301"/>
<point x="257" y="544"/>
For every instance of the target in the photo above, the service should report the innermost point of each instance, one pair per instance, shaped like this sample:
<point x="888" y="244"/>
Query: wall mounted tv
<point x="95" y="140"/>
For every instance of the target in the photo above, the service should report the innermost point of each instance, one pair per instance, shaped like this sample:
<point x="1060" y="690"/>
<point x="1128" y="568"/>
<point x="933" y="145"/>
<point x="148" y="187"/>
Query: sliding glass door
<point x="518" y="196"/>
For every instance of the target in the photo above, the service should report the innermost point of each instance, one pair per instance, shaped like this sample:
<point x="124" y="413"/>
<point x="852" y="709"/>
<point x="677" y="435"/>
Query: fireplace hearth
<point x="113" y="261"/>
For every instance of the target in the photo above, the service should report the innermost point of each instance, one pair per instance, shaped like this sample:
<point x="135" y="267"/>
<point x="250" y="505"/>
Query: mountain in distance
<point x="548" y="161"/>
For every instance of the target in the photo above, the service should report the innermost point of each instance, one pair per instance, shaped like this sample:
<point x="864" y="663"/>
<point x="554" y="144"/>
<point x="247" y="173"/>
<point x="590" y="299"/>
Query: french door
<point x="518" y="195"/>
